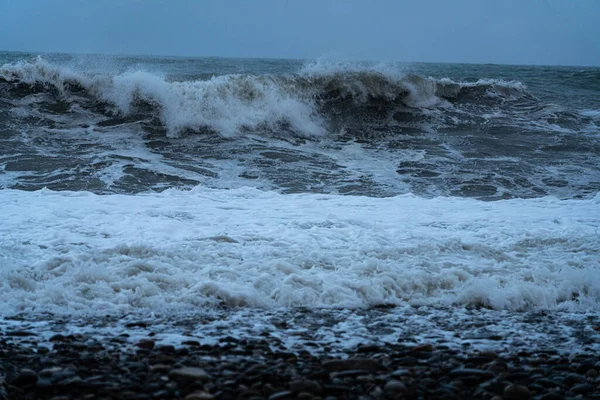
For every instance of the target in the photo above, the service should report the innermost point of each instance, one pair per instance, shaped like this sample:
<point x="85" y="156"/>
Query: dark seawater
<point x="137" y="124"/>
<point x="322" y="201"/>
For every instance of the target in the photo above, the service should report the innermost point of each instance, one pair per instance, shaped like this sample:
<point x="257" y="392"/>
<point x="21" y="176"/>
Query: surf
<point x="306" y="103"/>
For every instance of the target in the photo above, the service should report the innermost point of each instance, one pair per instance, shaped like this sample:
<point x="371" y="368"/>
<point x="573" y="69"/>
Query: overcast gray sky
<point x="565" y="32"/>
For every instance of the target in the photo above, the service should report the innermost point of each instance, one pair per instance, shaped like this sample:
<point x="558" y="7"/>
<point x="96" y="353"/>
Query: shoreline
<point x="186" y="359"/>
<point x="79" y="367"/>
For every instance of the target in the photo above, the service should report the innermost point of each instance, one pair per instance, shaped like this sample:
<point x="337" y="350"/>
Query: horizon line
<point x="291" y="58"/>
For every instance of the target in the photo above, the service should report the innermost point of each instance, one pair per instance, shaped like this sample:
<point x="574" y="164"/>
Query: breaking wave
<point x="207" y="248"/>
<point x="305" y="103"/>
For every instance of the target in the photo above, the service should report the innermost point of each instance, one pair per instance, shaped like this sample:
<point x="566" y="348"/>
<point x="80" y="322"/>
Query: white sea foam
<point x="228" y="104"/>
<point x="225" y="103"/>
<point x="594" y="114"/>
<point x="518" y="85"/>
<point x="40" y="71"/>
<point x="75" y="252"/>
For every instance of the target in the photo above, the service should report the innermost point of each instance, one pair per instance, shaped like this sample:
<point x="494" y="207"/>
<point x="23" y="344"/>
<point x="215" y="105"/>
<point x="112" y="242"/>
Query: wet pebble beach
<point x="139" y="362"/>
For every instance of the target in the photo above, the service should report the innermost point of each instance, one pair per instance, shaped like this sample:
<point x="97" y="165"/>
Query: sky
<point x="550" y="32"/>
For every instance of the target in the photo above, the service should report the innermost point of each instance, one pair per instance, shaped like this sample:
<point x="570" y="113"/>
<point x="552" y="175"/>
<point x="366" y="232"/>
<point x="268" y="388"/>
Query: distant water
<point x="157" y="184"/>
<point x="133" y="124"/>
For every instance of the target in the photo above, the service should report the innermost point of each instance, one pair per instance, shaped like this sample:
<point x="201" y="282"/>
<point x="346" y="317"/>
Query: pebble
<point x="369" y="348"/>
<point x="570" y="379"/>
<point x="285" y="394"/>
<point x="425" y="347"/>
<point x="549" y="383"/>
<point x="460" y="372"/>
<point x="147" y="344"/>
<point x="395" y="387"/>
<point x="305" y="385"/>
<point x="166" y="348"/>
<point x="351" y="373"/>
<point x="552" y="396"/>
<point x="20" y="333"/>
<point x="581" y="388"/>
<point x="3" y="395"/>
<point x="366" y="364"/>
<point x="25" y="377"/>
<point x="50" y="371"/>
<point x="365" y="379"/>
<point x="400" y="373"/>
<point x="160" y="368"/>
<point x="57" y="338"/>
<point x="517" y="392"/>
<point x="190" y="373"/>
<point x="199" y="396"/>
<point x="490" y="355"/>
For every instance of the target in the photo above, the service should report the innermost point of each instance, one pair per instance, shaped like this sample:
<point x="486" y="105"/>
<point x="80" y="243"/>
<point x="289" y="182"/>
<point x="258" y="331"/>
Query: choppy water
<point x="128" y="125"/>
<point x="173" y="185"/>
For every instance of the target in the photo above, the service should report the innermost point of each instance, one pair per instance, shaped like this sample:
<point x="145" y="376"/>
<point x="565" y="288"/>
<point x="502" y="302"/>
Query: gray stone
<point x="571" y="379"/>
<point x="20" y="333"/>
<point x="305" y="385"/>
<point x="591" y="373"/>
<point x="552" y="396"/>
<point x="549" y="383"/>
<point x="517" y="392"/>
<point x="25" y="377"/>
<point x="581" y="388"/>
<point x="425" y="347"/>
<point x="199" y="396"/>
<point x="488" y="354"/>
<point x="62" y="375"/>
<point x="147" y="344"/>
<point x="400" y="373"/>
<point x="57" y="338"/>
<point x="166" y="348"/>
<point x="44" y="383"/>
<point x="50" y="371"/>
<point x="351" y="364"/>
<point x="190" y="373"/>
<point x="351" y="373"/>
<point x="160" y="368"/>
<point x="395" y="387"/>
<point x="493" y="385"/>
<point x="286" y="394"/>
<point x="75" y="381"/>
<point x="3" y="394"/>
<point x="480" y="373"/>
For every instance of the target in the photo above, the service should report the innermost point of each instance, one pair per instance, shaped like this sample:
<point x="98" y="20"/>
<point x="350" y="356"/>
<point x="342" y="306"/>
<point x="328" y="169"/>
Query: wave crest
<point x="228" y="104"/>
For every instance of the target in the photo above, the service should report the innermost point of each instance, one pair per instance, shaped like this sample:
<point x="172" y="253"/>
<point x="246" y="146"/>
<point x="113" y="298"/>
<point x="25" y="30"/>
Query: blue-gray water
<point x="135" y="124"/>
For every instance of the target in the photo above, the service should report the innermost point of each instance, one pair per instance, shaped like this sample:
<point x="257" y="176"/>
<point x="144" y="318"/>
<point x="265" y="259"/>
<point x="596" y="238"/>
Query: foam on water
<point x="594" y="114"/>
<point x="225" y="104"/>
<point x="231" y="103"/>
<point x="179" y="251"/>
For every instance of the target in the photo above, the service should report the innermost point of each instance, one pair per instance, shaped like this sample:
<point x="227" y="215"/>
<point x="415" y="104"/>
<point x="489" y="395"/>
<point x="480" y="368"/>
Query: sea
<point x="332" y="201"/>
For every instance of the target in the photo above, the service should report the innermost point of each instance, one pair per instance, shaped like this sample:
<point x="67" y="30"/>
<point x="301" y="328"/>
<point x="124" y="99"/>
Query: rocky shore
<point x="87" y="367"/>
